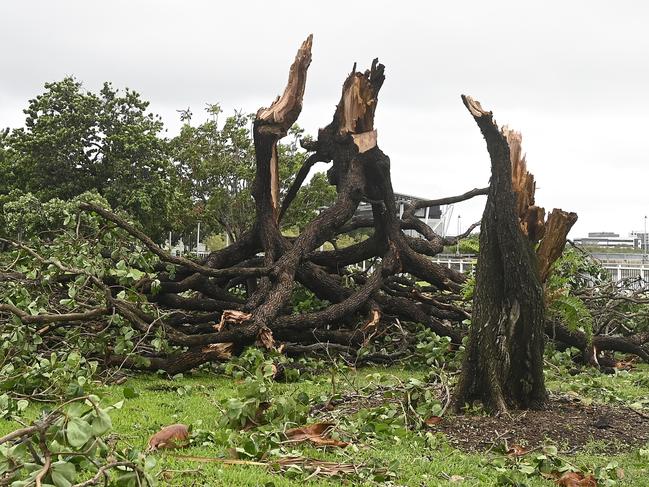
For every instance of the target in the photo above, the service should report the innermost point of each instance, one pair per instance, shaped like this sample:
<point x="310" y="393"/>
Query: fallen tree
<point x="143" y="308"/>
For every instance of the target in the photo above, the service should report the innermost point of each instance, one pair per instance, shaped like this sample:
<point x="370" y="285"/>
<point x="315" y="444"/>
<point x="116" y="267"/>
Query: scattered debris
<point x="317" y="433"/>
<point x="576" y="479"/>
<point x="517" y="451"/>
<point x="316" y="467"/>
<point x="172" y="436"/>
<point x="433" y="420"/>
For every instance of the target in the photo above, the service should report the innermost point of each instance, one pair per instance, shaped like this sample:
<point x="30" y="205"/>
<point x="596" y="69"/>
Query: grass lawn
<point x="415" y="458"/>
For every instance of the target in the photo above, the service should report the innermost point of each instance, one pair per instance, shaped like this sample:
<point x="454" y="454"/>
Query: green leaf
<point x="102" y="423"/>
<point x="130" y="393"/>
<point x="76" y="410"/>
<point x="135" y="274"/>
<point x="550" y="450"/>
<point x="63" y="473"/>
<point x="78" y="432"/>
<point x="526" y="469"/>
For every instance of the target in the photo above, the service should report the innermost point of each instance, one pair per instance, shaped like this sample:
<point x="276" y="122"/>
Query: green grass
<point x="413" y="458"/>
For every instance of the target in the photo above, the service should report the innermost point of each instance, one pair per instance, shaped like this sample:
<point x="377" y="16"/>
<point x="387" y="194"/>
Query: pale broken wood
<point x="365" y="141"/>
<point x="265" y="338"/>
<point x="277" y="119"/>
<point x="375" y="317"/>
<point x="286" y="108"/>
<point x="474" y="107"/>
<point x="558" y="225"/>
<point x="274" y="182"/>
<point x="221" y="351"/>
<point x="230" y="316"/>
<point x="359" y="103"/>
<point x="531" y="217"/>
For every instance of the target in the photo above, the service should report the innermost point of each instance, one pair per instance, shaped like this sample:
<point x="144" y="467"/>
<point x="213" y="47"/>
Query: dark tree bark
<point x="503" y="367"/>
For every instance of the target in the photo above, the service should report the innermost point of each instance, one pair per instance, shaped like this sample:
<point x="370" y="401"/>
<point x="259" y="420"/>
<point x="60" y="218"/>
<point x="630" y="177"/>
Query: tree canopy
<point x="217" y="166"/>
<point x="75" y="141"/>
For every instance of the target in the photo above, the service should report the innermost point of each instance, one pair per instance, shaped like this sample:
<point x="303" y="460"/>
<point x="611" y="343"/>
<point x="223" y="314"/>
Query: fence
<point x="619" y="272"/>
<point x="460" y="263"/>
<point x="466" y="263"/>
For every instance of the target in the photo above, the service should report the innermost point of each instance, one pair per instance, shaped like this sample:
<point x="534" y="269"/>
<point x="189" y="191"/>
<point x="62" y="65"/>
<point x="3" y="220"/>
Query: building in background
<point x="606" y="239"/>
<point x="642" y="239"/>
<point x="435" y="217"/>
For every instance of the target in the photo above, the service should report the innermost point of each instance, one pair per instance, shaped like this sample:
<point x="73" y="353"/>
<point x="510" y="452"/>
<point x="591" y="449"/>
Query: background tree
<point x="76" y="141"/>
<point x="217" y="163"/>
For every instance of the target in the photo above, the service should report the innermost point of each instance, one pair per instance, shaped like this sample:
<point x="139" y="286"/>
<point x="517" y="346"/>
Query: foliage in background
<point x="571" y="272"/>
<point x="76" y="141"/>
<point x="217" y="166"/>
<point x="468" y="245"/>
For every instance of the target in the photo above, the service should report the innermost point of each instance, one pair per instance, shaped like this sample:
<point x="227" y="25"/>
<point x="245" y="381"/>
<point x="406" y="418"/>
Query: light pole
<point x="644" y="235"/>
<point x="457" y="249"/>
<point x="198" y="237"/>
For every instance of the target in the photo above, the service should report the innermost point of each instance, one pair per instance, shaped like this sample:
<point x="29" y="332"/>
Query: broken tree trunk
<point x="503" y="367"/>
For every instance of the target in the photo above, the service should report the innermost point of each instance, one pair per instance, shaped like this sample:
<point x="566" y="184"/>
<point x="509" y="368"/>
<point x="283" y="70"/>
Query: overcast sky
<point x="570" y="75"/>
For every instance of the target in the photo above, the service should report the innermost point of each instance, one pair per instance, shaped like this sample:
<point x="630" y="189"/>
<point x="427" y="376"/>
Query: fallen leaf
<point x="455" y="478"/>
<point x="576" y="479"/>
<point x="172" y="436"/>
<point x="433" y="420"/>
<point x="316" y="433"/>
<point x="624" y="365"/>
<point x="517" y="451"/>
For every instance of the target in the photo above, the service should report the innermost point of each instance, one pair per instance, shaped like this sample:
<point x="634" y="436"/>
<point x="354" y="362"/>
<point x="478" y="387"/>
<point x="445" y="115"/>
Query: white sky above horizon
<point x="569" y="75"/>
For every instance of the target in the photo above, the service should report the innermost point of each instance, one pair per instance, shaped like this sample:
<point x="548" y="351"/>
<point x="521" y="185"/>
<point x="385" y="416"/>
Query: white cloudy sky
<point x="570" y="75"/>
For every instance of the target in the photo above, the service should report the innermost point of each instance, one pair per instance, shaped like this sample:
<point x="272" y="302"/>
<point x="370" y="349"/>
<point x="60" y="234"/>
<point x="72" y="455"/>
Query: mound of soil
<point x="566" y="422"/>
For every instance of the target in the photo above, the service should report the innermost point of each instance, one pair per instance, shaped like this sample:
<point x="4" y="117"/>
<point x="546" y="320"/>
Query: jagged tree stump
<point x="503" y="367"/>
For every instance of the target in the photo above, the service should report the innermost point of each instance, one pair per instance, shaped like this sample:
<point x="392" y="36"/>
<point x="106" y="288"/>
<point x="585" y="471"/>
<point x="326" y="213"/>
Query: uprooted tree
<point x="172" y="313"/>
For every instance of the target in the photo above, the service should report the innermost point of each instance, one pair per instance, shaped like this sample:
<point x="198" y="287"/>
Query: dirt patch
<point x="568" y="423"/>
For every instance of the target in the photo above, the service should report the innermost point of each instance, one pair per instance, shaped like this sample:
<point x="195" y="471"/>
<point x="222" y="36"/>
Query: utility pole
<point x="198" y="237"/>
<point x="457" y="249"/>
<point x="645" y="238"/>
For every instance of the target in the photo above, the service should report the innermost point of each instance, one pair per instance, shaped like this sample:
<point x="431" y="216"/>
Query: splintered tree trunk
<point x="503" y="367"/>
